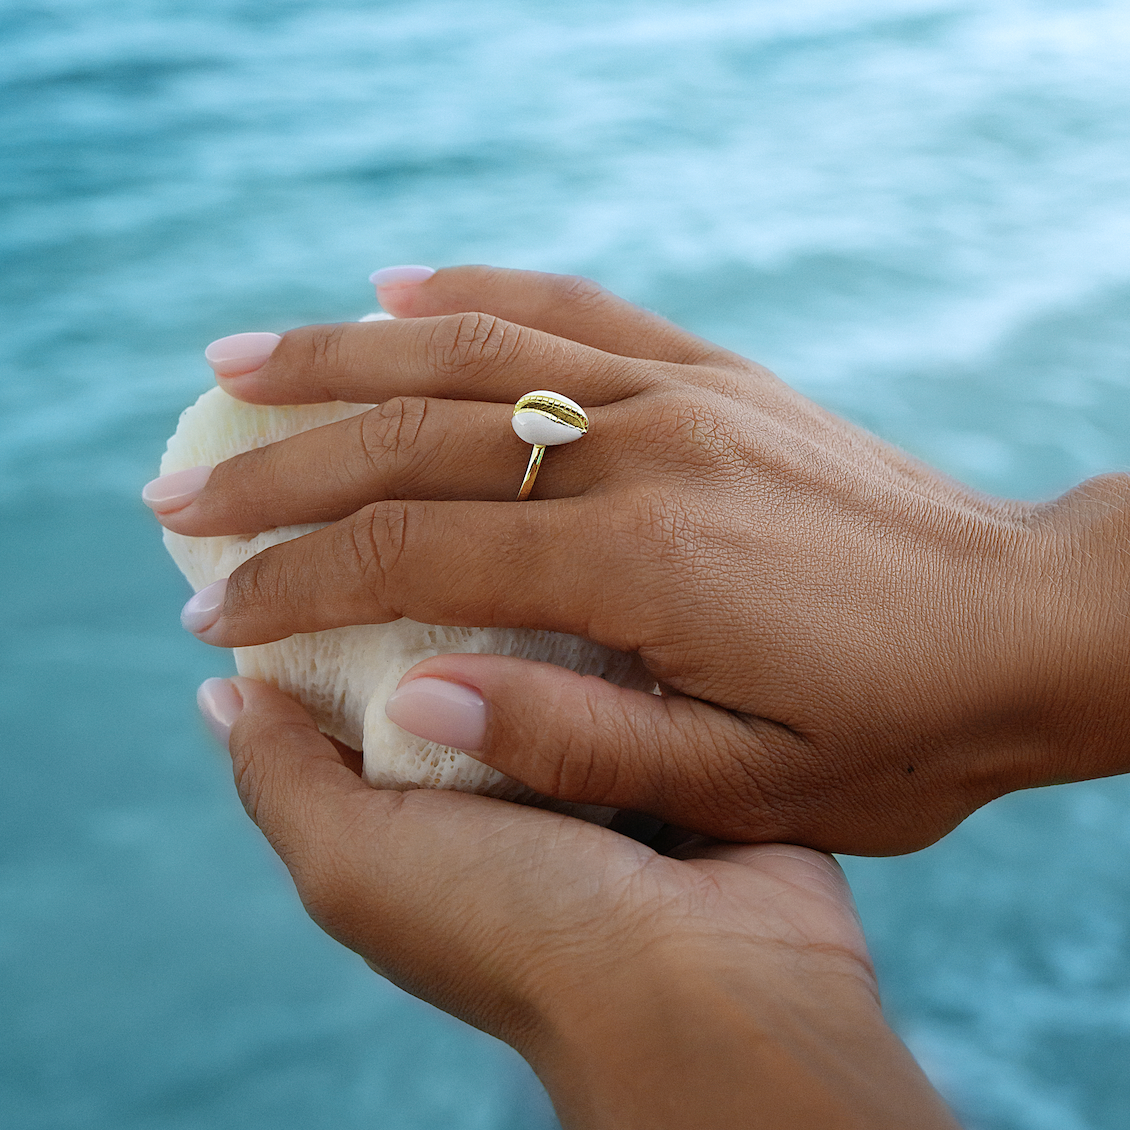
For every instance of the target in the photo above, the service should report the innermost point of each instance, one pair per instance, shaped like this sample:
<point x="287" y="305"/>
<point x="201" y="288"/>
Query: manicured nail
<point x="400" y="276"/>
<point x="441" y="712"/>
<point x="220" y="704"/>
<point x="175" y="491"/>
<point x="203" y="610"/>
<point x="237" y="354"/>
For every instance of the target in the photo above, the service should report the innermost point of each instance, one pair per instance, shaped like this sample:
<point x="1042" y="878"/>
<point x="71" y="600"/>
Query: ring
<point x="545" y="419"/>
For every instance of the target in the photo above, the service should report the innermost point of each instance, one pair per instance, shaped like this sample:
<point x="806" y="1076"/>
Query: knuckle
<point x="745" y="783"/>
<point x="689" y="433"/>
<point x="255" y="772"/>
<point x="577" y="777"/>
<point x="378" y="538"/>
<point x="328" y="887"/>
<point x="470" y="346"/>
<point x="583" y="772"/>
<point x="248" y="780"/>
<point x="319" y="862"/>
<point x="767" y="773"/>
<point x="660" y="525"/>
<point x="333" y="889"/>
<point x="392" y="430"/>
<point x="258" y="583"/>
<point x="325" y="346"/>
<point x="576" y="290"/>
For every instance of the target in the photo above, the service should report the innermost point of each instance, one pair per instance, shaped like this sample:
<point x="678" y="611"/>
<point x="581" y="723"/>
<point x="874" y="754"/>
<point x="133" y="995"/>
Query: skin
<point x="855" y="651"/>
<point x="729" y="987"/>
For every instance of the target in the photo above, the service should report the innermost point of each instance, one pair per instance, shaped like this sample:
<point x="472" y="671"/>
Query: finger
<point x="405" y="448"/>
<point x="294" y="782"/>
<point x="299" y="787"/>
<point x="582" y="739"/>
<point x="457" y="357"/>
<point x="564" y="305"/>
<point x="548" y="565"/>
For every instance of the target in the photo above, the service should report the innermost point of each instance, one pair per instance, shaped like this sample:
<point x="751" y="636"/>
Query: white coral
<point x="344" y="676"/>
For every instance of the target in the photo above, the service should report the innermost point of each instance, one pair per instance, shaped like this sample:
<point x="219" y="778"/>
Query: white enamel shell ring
<point x="545" y="419"/>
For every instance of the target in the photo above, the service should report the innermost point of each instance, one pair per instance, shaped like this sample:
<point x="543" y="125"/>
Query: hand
<point x="729" y="985"/>
<point x="855" y="651"/>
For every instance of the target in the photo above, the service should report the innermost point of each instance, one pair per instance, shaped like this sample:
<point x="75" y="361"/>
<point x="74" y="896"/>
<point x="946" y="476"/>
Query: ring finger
<point x="406" y="448"/>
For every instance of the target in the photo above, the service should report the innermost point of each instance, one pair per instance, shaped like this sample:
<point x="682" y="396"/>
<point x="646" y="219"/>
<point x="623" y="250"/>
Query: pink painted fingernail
<point x="439" y="711"/>
<point x="237" y="354"/>
<point x="220" y="704"/>
<point x="203" y="610"/>
<point x="400" y="276"/>
<point x="175" y="491"/>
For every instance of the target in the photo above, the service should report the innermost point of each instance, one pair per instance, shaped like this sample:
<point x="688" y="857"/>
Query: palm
<point x="430" y="887"/>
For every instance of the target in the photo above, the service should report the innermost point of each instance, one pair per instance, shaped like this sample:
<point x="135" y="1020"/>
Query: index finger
<point x="454" y="357"/>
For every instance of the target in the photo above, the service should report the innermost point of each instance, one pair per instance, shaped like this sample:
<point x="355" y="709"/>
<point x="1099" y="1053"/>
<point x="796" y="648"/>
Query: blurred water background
<point x="914" y="210"/>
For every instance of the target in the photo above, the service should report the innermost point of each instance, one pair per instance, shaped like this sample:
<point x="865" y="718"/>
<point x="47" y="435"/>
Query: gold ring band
<point x="545" y="419"/>
<point x="532" y="468"/>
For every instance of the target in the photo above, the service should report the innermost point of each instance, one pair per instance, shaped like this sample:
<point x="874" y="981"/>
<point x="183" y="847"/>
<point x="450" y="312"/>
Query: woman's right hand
<point x="727" y="988"/>
<point x="855" y="651"/>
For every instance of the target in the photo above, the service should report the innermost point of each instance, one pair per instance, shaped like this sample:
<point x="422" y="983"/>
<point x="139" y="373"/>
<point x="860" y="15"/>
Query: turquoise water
<point x="915" y="211"/>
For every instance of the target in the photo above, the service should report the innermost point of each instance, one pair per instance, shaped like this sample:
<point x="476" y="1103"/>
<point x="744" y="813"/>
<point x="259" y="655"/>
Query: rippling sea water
<point x="915" y="211"/>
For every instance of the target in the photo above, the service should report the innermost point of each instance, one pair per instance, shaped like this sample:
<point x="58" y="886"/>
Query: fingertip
<point x="397" y="286"/>
<point x="239" y="354"/>
<point x="173" y="492"/>
<point x="407" y="275"/>
<point x="220" y="704"/>
<point x="204" y="608"/>
<point x="264" y="700"/>
<point x="447" y="713"/>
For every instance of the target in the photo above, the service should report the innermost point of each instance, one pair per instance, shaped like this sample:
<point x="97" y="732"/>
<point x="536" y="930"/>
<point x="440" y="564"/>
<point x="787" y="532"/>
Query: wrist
<point x="794" y="1037"/>
<point x="1081" y="613"/>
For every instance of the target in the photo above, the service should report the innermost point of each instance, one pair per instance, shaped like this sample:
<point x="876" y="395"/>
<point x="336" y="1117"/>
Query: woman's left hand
<point x="644" y="990"/>
<point x="856" y="651"/>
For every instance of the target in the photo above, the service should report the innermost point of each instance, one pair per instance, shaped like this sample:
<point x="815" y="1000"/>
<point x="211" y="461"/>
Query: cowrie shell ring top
<point x="545" y="419"/>
<point x="548" y="419"/>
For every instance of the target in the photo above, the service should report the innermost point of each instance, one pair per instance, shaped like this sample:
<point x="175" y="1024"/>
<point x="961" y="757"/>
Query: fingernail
<point x="400" y="276"/>
<point x="237" y="354"/>
<point x="220" y="704"/>
<point x="439" y="711"/>
<point x="203" y="610"/>
<point x="175" y="491"/>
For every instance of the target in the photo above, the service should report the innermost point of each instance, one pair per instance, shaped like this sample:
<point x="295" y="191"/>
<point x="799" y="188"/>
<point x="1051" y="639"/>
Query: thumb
<point x="579" y="738"/>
